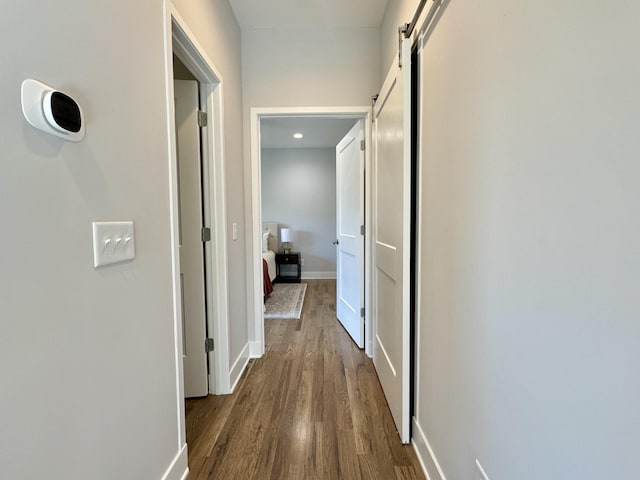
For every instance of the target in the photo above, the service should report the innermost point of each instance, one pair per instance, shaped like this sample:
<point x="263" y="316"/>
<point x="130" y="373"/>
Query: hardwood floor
<point x="311" y="408"/>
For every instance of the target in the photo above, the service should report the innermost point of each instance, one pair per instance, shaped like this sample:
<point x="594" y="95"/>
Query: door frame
<point x="254" y="273"/>
<point x="179" y="40"/>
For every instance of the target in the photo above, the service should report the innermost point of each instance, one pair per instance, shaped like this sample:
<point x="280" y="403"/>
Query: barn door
<point x="391" y="239"/>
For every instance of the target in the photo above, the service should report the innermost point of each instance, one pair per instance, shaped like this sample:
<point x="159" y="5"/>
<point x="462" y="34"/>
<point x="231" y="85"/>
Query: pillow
<point x="265" y="241"/>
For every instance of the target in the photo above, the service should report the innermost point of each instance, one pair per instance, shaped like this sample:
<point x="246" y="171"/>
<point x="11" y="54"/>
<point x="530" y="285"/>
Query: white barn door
<point x="391" y="239"/>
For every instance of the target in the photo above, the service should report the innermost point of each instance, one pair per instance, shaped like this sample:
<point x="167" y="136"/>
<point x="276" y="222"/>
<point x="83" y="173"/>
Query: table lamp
<point x="285" y="237"/>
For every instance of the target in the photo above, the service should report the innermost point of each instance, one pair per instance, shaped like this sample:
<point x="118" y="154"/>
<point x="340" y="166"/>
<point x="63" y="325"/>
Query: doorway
<point x="194" y="65"/>
<point x="260" y="117"/>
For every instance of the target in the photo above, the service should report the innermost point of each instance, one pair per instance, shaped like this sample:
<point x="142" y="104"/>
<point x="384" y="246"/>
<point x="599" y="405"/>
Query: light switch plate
<point x="113" y="242"/>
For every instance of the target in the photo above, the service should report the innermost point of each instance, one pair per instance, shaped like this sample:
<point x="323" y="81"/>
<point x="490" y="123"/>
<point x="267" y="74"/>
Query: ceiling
<point x="309" y="13"/>
<point x="318" y="132"/>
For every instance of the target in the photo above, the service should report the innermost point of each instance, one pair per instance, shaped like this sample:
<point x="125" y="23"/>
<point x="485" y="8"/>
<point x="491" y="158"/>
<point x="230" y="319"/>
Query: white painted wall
<point x="310" y="67"/>
<point x="86" y="355"/>
<point x="87" y="360"/>
<point x="529" y="332"/>
<point x="217" y="30"/>
<point x="299" y="191"/>
<point x="303" y="68"/>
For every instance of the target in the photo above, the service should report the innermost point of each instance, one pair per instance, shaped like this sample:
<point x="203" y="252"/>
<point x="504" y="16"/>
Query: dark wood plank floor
<point x="311" y="408"/>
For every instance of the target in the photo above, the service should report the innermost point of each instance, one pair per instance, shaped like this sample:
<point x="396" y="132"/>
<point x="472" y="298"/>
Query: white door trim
<point x="179" y="39"/>
<point x="254" y="246"/>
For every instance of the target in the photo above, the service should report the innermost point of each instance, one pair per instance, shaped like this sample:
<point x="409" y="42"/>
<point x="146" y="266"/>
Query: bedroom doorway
<point x="273" y="143"/>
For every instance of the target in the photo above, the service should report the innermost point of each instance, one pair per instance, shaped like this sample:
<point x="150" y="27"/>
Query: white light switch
<point x="113" y="242"/>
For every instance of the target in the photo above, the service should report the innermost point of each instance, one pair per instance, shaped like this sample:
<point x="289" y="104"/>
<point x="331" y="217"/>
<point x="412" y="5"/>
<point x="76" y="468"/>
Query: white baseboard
<point x="255" y="350"/>
<point x="369" y="348"/>
<point x="318" y="275"/>
<point x="238" y="366"/>
<point x="179" y="468"/>
<point x="426" y="457"/>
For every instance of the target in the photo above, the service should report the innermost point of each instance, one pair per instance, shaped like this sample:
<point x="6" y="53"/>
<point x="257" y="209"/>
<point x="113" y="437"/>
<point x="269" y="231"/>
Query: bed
<point x="269" y="247"/>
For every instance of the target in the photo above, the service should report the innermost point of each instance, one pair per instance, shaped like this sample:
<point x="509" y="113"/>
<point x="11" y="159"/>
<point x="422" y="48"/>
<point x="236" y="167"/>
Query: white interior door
<point x="190" y="231"/>
<point x="350" y="241"/>
<point x="391" y="239"/>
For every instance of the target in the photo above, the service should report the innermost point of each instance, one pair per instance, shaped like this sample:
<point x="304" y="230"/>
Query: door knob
<point x="336" y="242"/>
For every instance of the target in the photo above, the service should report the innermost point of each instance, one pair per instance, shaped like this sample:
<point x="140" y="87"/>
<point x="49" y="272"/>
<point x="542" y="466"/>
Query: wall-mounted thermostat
<point x="52" y="111"/>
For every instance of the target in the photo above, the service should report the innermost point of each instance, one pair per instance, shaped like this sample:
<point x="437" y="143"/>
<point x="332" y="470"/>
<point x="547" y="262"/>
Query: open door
<point x="391" y="197"/>
<point x="190" y="239"/>
<point x="350" y="241"/>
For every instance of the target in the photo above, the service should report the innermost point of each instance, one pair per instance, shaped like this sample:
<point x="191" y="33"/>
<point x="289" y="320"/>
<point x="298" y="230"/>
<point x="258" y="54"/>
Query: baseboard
<point x="179" y="468"/>
<point x="369" y="348"/>
<point x="426" y="457"/>
<point x="318" y="275"/>
<point x="238" y="366"/>
<point x="255" y="350"/>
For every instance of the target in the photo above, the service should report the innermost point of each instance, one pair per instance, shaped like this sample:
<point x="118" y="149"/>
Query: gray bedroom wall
<point x="529" y="325"/>
<point x="299" y="191"/>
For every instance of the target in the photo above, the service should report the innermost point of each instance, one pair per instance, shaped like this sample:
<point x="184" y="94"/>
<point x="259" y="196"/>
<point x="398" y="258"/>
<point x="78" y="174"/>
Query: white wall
<point x="87" y="360"/>
<point x="304" y="68"/>
<point x="529" y="332"/>
<point x="299" y="191"/>
<point x="310" y="67"/>
<point x="86" y="355"/>
<point x="217" y="30"/>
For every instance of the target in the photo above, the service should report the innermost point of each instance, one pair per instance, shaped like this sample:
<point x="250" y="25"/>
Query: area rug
<point x="285" y="301"/>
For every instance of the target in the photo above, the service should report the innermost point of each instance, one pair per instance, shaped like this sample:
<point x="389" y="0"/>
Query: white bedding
<point x="270" y="257"/>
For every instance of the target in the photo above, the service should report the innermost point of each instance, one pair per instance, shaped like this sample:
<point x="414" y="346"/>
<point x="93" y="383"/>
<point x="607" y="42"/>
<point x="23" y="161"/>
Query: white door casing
<point x="254" y="208"/>
<point x="350" y="163"/>
<point x="391" y="185"/>
<point x="190" y="238"/>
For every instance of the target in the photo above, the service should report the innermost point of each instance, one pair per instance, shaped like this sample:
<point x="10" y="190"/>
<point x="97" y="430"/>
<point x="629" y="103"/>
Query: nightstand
<point x="287" y="275"/>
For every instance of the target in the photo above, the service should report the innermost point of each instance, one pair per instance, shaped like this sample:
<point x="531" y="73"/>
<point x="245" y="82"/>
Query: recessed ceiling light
<point x="298" y="135"/>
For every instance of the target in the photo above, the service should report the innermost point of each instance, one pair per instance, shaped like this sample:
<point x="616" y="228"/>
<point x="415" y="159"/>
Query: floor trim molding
<point x="318" y="275"/>
<point x="179" y="468"/>
<point x="239" y="366"/>
<point x="426" y="457"/>
<point x="255" y="349"/>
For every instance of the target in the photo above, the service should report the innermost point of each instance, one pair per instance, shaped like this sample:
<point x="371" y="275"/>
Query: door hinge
<point x="206" y="234"/>
<point x="208" y="345"/>
<point x="373" y="107"/>
<point x="362" y="145"/>
<point x="361" y="229"/>
<point x="362" y="312"/>
<point x="402" y="31"/>
<point x="202" y="118"/>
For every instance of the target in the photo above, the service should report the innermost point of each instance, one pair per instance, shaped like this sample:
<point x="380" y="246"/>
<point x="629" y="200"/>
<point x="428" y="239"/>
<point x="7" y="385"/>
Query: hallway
<point x="311" y="408"/>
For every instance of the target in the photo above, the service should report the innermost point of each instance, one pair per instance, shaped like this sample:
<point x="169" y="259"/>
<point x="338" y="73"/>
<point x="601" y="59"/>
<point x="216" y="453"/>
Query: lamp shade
<point x="285" y="235"/>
